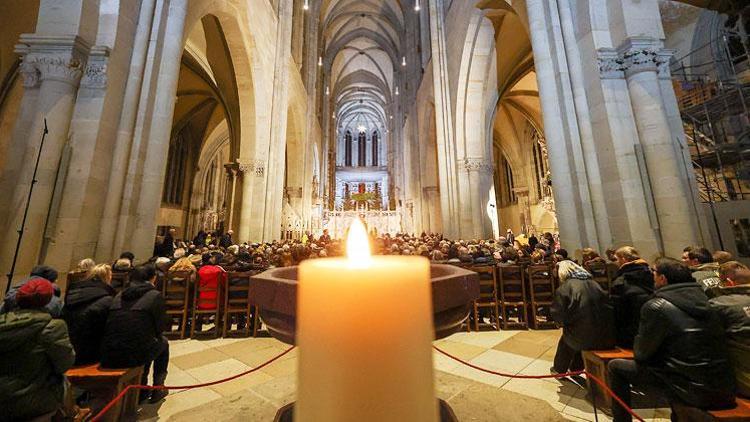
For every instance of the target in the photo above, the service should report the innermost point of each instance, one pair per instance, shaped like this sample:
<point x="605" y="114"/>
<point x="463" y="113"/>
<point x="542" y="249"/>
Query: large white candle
<point x="364" y="331"/>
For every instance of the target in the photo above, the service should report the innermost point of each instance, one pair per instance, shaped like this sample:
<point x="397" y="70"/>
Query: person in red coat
<point x="210" y="276"/>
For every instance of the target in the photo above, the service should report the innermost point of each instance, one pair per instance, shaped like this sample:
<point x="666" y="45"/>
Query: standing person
<point x="226" y="239"/>
<point x="85" y="311"/>
<point x="35" y="352"/>
<point x="200" y="239"/>
<point x="133" y="331"/>
<point x="167" y="246"/>
<point x="631" y="288"/>
<point x="54" y="306"/>
<point x="532" y="240"/>
<point x="680" y="347"/>
<point x="509" y="236"/>
<point x="582" y="308"/>
<point x="733" y="305"/>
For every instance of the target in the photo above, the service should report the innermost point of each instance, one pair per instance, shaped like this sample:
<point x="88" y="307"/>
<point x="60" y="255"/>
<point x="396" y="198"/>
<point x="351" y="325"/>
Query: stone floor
<point x="473" y="395"/>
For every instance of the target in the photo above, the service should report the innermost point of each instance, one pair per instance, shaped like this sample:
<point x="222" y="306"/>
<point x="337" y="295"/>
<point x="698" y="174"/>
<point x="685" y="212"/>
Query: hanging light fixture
<point x="396" y="90"/>
<point x="320" y="60"/>
<point x="328" y="90"/>
<point x="403" y="61"/>
<point x="361" y="128"/>
<point x="306" y="6"/>
<point x="416" y="5"/>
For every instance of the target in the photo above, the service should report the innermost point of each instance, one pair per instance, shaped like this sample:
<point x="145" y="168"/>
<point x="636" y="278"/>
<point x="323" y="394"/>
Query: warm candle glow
<point x="357" y="244"/>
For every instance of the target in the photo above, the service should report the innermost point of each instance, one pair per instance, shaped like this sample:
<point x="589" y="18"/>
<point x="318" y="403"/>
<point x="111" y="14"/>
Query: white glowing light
<point x="357" y="244"/>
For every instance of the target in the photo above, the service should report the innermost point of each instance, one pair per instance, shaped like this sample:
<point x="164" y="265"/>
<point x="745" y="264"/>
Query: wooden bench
<point x="741" y="412"/>
<point x="105" y="384"/>
<point x="595" y="362"/>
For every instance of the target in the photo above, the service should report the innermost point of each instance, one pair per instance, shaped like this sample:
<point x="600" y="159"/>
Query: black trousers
<point x="624" y="373"/>
<point x="160" y="362"/>
<point x="567" y="358"/>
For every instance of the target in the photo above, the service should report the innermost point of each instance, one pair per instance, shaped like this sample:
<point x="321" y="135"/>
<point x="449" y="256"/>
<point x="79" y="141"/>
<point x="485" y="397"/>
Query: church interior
<point x="375" y="210"/>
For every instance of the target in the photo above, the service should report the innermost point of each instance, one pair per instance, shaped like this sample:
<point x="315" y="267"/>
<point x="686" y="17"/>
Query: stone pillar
<point x="232" y="170"/>
<point x="279" y="109"/>
<point x="56" y="64"/>
<point x="674" y="208"/>
<point x="446" y="148"/>
<point x="476" y="181"/>
<point x="253" y="174"/>
<point x="142" y="198"/>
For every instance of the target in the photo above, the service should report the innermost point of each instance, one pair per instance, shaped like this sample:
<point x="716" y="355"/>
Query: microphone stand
<point x="26" y="210"/>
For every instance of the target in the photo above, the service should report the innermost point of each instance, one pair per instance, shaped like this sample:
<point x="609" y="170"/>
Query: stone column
<point x="56" y="64"/>
<point x="674" y="208"/>
<point x="279" y="109"/>
<point x="253" y="173"/>
<point x="476" y="177"/>
<point x="232" y="169"/>
<point x="446" y="148"/>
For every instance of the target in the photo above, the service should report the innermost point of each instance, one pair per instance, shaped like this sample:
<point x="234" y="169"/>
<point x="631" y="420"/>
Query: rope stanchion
<point x="122" y="394"/>
<point x="598" y="381"/>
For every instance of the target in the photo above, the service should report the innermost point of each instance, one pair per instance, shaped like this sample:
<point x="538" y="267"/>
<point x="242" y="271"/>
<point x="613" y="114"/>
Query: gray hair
<point x="569" y="269"/>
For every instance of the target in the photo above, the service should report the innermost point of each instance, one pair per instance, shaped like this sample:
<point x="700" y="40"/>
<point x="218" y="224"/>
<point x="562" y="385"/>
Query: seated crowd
<point x="687" y="322"/>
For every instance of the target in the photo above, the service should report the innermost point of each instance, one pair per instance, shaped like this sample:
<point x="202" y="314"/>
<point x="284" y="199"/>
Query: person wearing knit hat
<point x="36" y="351"/>
<point x="54" y="307"/>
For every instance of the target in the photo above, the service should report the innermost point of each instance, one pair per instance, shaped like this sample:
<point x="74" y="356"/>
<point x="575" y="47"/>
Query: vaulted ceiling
<point x="363" y="49"/>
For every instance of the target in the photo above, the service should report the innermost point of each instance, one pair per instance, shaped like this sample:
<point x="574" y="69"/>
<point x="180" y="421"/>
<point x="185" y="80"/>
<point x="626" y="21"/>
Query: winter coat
<point x="134" y="325"/>
<point x="210" y="276"/>
<point x="35" y="352"/>
<point x="583" y="310"/>
<point x="226" y="241"/>
<point x="707" y="275"/>
<point x="631" y="288"/>
<point x="681" y="341"/>
<point x="85" y="311"/>
<point x="54" y="307"/>
<point x="733" y="305"/>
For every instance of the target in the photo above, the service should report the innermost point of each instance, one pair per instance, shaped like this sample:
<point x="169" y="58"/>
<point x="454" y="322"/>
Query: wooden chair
<point x="237" y="303"/>
<point x="106" y="384"/>
<point x="601" y="275"/>
<point x="197" y="317"/>
<point x="120" y="280"/>
<point x="176" y="292"/>
<point x="487" y="294"/>
<point x="512" y="295"/>
<point x="541" y="292"/>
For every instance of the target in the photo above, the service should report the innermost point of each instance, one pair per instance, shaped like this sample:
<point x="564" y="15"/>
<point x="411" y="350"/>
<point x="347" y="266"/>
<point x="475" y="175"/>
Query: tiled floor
<point x="473" y="395"/>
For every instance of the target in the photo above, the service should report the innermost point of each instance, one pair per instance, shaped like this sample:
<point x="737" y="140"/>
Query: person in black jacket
<point x="133" y="332"/>
<point x="582" y="308"/>
<point x="86" y="307"/>
<point x="680" y="347"/>
<point x="631" y="288"/>
<point x="226" y="239"/>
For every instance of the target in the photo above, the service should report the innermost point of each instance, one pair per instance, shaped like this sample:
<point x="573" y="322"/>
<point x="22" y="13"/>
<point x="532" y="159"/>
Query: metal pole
<point x="26" y="210"/>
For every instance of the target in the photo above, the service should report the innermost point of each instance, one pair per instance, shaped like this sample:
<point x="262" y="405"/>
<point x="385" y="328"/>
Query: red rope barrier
<point x="601" y="383"/>
<point x="125" y="391"/>
<point x="122" y="394"/>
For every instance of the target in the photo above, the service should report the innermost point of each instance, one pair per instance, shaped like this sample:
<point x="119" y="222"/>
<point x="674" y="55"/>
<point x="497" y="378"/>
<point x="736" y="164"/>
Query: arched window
<point x="174" y="179"/>
<point x="510" y="195"/>
<point x="375" y="147"/>
<point x="362" y="149"/>
<point x="348" y="149"/>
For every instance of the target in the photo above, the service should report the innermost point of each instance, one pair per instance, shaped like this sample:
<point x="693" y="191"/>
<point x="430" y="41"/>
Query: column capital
<point x="249" y="166"/>
<point x="477" y="164"/>
<point x="611" y="65"/>
<point x="640" y="54"/>
<point x="48" y="57"/>
<point x="95" y="73"/>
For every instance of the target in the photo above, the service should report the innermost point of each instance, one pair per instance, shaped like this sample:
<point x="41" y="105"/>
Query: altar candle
<point x="365" y="331"/>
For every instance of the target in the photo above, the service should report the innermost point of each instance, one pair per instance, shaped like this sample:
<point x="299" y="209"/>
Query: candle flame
<point x="357" y="244"/>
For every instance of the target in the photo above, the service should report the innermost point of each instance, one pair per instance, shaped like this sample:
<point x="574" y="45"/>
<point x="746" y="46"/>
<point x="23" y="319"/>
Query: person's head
<point x="206" y="258"/>
<point x="85" y="265"/>
<point x="626" y="254"/>
<point x="721" y="257"/>
<point x="122" y="264"/>
<point x="671" y="271"/>
<point x="685" y="254"/>
<point x="143" y="274"/>
<point x="182" y="264"/>
<point x="179" y="253"/>
<point x="163" y="263"/>
<point x="35" y="294"/>
<point x="611" y="255"/>
<point x="128" y="255"/>
<point x="569" y="269"/>
<point x="562" y="254"/>
<point x="230" y="232"/>
<point x="102" y="272"/>
<point x="588" y="254"/>
<point x="699" y="256"/>
<point x="44" y="271"/>
<point x="728" y="271"/>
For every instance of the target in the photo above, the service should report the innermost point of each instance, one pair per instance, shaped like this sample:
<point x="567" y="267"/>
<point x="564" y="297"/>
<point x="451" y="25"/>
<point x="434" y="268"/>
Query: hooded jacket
<point x="85" y="311"/>
<point x="134" y="325"/>
<point x="682" y="341"/>
<point x="631" y="288"/>
<point x="582" y="308"/>
<point x="35" y="352"/>
<point x="733" y="306"/>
